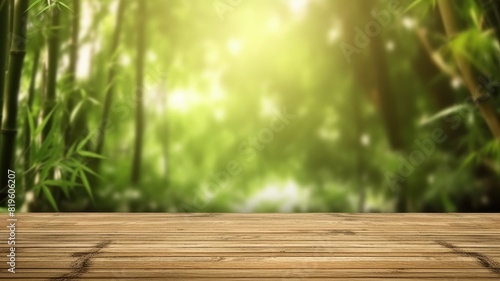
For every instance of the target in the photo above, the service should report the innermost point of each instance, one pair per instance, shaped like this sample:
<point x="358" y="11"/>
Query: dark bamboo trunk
<point x="139" y="114"/>
<point x="28" y="177"/>
<point x="108" y="100"/>
<point x="9" y="126"/>
<point x="11" y="16"/>
<point x="440" y="92"/>
<point x="372" y="75"/>
<point x="52" y="62"/>
<point x="492" y="11"/>
<point x="4" y="46"/>
<point x="68" y="128"/>
<point x="482" y="101"/>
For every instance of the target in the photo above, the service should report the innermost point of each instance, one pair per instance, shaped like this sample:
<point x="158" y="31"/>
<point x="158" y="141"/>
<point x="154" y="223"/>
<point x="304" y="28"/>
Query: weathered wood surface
<point x="122" y="246"/>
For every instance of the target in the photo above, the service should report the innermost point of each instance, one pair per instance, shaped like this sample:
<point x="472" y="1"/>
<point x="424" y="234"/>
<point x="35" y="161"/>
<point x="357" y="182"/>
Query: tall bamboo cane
<point x="52" y="62"/>
<point x="9" y="126"/>
<point x="139" y="114"/>
<point x="108" y="100"/>
<point x="11" y="15"/>
<point x="28" y="177"/>
<point x="4" y="31"/>
<point x="484" y="104"/>
<point x="68" y="129"/>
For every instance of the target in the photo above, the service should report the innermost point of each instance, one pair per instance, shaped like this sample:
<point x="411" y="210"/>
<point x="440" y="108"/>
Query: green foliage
<point x="216" y="88"/>
<point x="55" y="166"/>
<point x="49" y="4"/>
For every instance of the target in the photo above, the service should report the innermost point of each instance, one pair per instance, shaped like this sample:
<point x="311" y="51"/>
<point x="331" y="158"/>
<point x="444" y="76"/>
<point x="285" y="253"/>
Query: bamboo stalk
<point x="11" y="16"/>
<point x="483" y="103"/>
<point x="28" y="177"/>
<point x="492" y="13"/>
<point x="4" y="29"/>
<point x="69" y="135"/>
<point x="9" y="126"/>
<point x="139" y="117"/>
<point x="52" y="61"/>
<point x="108" y="100"/>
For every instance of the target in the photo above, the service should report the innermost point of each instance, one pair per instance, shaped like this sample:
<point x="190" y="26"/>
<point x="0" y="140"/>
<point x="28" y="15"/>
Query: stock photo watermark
<point x="222" y="7"/>
<point x="427" y="146"/>
<point x="381" y="19"/>
<point x="11" y="221"/>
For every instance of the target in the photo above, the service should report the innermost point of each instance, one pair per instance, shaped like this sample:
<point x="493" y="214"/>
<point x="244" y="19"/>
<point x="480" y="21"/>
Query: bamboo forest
<point x="250" y="105"/>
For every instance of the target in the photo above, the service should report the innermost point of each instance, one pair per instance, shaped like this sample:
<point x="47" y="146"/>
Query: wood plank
<point x="322" y="246"/>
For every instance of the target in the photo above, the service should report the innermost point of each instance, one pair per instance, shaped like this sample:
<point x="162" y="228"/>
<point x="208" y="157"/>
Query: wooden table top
<point x="320" y="246"/>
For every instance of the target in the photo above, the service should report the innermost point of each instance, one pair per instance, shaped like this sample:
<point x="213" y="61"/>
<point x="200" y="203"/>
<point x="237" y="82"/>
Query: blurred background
<point x="259" y="106"/>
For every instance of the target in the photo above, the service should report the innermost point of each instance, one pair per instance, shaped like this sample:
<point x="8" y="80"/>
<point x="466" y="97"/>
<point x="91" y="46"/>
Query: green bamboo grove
<point x="265" y="106"/>
<point x="12" y="85"/>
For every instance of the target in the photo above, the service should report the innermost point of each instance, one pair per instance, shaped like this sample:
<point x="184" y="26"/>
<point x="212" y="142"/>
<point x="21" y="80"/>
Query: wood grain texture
<point x="122" y="246"/>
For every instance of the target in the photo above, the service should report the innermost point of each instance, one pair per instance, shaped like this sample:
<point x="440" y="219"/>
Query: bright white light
<point x="332" y="35"/>
<point x="178" y="100"/>
<point x="83" y="64"/>
<point x="328" y="135"/>
<point x="298" y="7"/>
<point x="85" y="50"/>
<point x="456" y="82"/>
<point x="152" y="57"/>
<point x="124" y="60"/>
<point x="390" y="46"/>
<point x="274" y="24"/>
<point x="217" y="92"/>
<point x="234" y="46"/>
<point x="268" y="107"/>
<point x="365" y="140"/>
<point x="183" y="100"/>
<point x="409" y="23"/>
<point x="86" y="18"/>
<point x="287" y="196"/>
<point x="219" y="114"/>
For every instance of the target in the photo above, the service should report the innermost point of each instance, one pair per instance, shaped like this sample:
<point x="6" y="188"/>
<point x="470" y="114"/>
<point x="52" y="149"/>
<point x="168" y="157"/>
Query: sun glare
<point x="288" y="195"/>
<point x="298" y="7"/>
<point x="178" y="100"/>
<point x="234" y="46"/>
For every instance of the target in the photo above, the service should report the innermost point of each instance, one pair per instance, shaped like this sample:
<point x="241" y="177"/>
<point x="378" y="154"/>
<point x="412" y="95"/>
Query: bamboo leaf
<point x="86" y="184"/>
<point x="83" y="142"/>
<point x="445" y="112"/>
<point x="90" y="154"/>
<point x="49" y="196"/>
<point x="413" y="5"/>
<point x="65" y="6"/>
<point x="31" y="123"/>
<point x="71" y="150"/>
<point x="88" y="170"/>
<point x="75" y="111"/>
<point x="94" y="101"/>
<point x="470" y="158"/>
<point x="57" y="182"/>
<point x="43" y="10"/>
<point x="36" y="2"/>
<point x="44" y="122"/>
<point x="74" y="174"/>
<point x="30" y="169"/>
